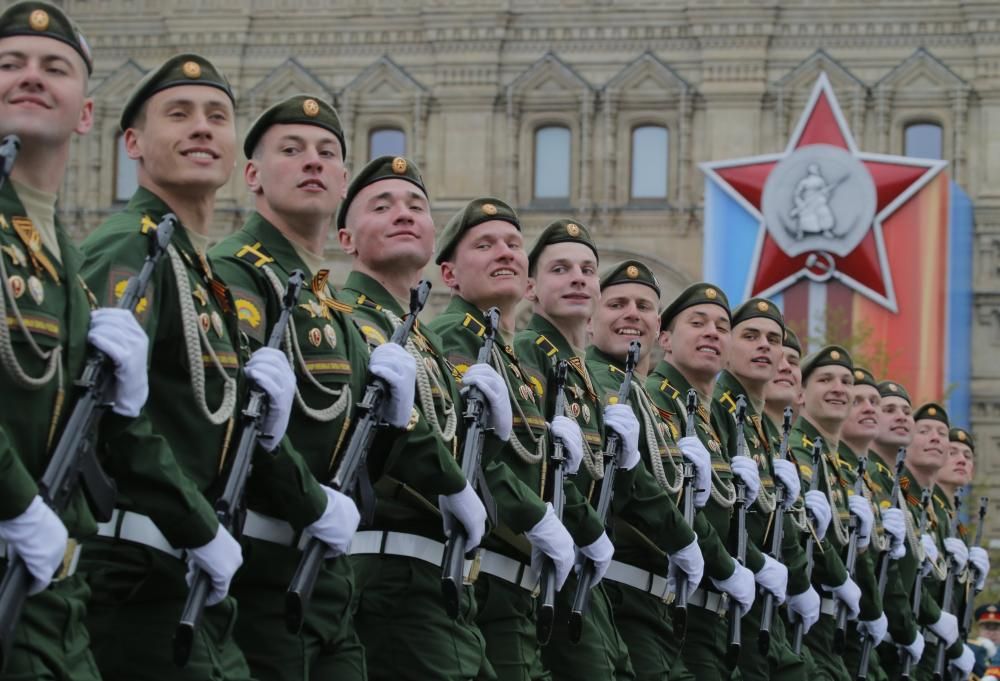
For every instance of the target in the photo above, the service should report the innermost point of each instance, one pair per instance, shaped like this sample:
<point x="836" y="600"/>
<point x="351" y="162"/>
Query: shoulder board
<point x="882" y="468"/>
<point x="255" y="254"/>
<point x="806" y="471"/>
<point x="474" y="325"/>
<point x="670" y="390"/>
<point x="363" y="301"/>
<point x="727" y="399"/>
<point x="546" y="345"/>
<point x="147" y="225"/>
<point x="615" y="370"/>
<point x="806" y="442"/>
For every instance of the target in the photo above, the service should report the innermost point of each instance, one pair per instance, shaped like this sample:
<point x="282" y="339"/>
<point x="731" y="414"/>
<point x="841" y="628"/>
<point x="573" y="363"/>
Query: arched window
<point x="386" y="142"/>
<point x="126" y="171"/>
<point x="552" y="162"/>
<point x="650" y="156"/>
<point x="923" y="140"/>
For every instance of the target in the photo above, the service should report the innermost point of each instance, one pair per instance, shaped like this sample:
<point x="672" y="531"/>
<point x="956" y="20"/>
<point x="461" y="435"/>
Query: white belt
<point x="137" y="528"/>
<point x="712" y="601"/>
<point x="508" y="569"/>
<point x="828" y="606"/>
<point x="266" y="528"/>
<point x="637" y="578"/>
<point x="408" y="545"/>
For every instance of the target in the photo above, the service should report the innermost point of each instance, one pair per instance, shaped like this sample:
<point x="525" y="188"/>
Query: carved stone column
<point x="609" y="106"/>
<point x="513" y="116"/>
<point x="858" y="116"/>
<point x="781" y="117"/>
<point x="586" y="153"/>
<point x="960" y="114"/>
<point x="685" y="167"/>
<point x="882" y="111"/>
<point x="420" y="129"/>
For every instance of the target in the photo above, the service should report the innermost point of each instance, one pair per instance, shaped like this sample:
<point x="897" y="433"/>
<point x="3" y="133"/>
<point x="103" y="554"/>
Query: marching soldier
<point x="296" y="174"/>
<point x="958" y="472"/>
<point x="178" y="123"/>
<point x="695" y="334"/>
<point x="783" y="390"/>
<point x="48" y="318"/>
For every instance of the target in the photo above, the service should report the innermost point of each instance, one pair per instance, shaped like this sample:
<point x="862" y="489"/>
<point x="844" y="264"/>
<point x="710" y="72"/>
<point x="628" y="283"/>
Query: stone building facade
<point x="469" y="83"/>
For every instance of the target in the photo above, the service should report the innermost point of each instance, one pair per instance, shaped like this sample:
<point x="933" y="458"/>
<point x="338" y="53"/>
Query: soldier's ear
<point x="529" y="293"/>
<point x="346" y="240"/>
<point x="86" y="121"/>
<point x="132" y="147"/>
<point x="664" y="341"/>
<point x="251" y="175"/>
<point x="448" y="275"/>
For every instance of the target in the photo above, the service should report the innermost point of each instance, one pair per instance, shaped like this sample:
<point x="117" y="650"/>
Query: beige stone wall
<point x="470" y="80"/>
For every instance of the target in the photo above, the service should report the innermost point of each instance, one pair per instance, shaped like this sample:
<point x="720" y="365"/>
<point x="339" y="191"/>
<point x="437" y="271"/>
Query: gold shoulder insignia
<point x="372" y="335"/>
<point x="546" y="345"/>
<point x="806" y="442"/>
<point x="474" y="325"/>
<point x="727" y="399"/>
<point x="670" y="390"/>
<point x="365" y="302"/>
<point x="254" y="254"/>
<point x="147" y="225"/>
<point x="807" y="471"/>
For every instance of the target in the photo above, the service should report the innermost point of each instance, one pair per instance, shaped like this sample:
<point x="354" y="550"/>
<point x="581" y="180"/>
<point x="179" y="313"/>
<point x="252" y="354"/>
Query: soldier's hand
<point x="220" y="559"/>
<point x="694" y="451"/>
<point x="981" y="561"/>
<point x="601" y="552"/>
<point x="337" y="525"/>
<point x="806" y="607"/>
<point x="740" y="586"/>
<point x="394" y="365"/>
<point x="688" y="560"/>
<point x="493" y="388"/>
<point x="894" y="524"/>
<point x="568" y="430"/>
<point x="861" y="509"/>
<point x="930" y="550"/>
<point x="621" y="419"/>
<point x="39" y="537"/>
<point x="957" y="551"/>
<point x="848" y="593"/>
<point x="915" y="649"/>
<point x="118" y="335"/>
<point x="965" y="661"/>
<point x="946" y="627"/>
<point x="773" y="578"/>
<point x="268" y="368"/>
<point x="466" y="508"/>
<point x="876" y="629"/>
<point x="788" y="475"/>
<point x="817" y="504"/>
<point x="549" y="537"/>
<point x="746" y="470"/>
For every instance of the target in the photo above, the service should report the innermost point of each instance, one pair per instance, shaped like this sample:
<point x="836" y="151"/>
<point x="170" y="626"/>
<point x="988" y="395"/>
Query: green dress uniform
<point x="330" y="358"/>
<point x="46" y="310"/>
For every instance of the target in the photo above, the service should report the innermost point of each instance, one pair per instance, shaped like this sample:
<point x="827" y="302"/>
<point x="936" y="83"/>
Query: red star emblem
<point x="864" y="268"/>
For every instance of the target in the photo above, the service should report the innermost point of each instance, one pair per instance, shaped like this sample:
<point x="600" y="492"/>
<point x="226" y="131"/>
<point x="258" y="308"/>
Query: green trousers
<point x="780" y="663"/>
<point x="703" y="653"/>
<point x="852" y="656"/>
<point x="506" y="618"/>
<point x="829" y="664"/>
<point x="327" y="647"/>
<point x="644" y="622"/>
<point x="51" y="642"/>
<point x="138" y="595"/>
<point x="405" y="630"/>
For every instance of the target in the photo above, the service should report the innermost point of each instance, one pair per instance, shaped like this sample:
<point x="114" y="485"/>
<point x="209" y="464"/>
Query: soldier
<point x="985" y="647"/>
<point x="695" y="335"/>
<point x="385" y="226"/>
<point x="755" y="353"/>
<point x="959" y="471"/>
<point x="178" y="123"/>
<point x="650" y="531"/>
<point x="483" y="262"/>
<point x="564" y="288"/>
<point x="297" y="177"/>
<point x="783" y="390"/>
<point x="44" y="68"/>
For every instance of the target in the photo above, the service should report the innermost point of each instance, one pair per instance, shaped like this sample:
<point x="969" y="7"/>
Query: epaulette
<point x="883" y="468"/>
<point x="727" y="397"/>
<point x="364" y="301"/>
<point x="147" y="225"/>
<point x="665" y="387"/>
<point x="546" y="345"/>
<point x="806" y="442"/>
<point x="255" y="254"/>
<point x="474" y="325"/>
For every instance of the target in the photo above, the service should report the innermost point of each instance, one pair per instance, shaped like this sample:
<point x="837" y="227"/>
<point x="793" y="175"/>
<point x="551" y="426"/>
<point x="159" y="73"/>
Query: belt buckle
<point x="474" y="569"/>
<point x="69" y="560"/>
<point x="668" y="597"/>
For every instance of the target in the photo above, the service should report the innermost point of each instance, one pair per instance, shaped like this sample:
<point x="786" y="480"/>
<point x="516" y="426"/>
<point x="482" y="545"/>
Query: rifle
<point x="547" y="609"/>
<point x="229" y="506"/>
<point x="581" y="599"/>
<point x="735" y="613"/>
<point x="840" y="616"/>
<point x="918" y="586"/>
<point x="974" y="576"/>
<point x="817" y="453"/>
<point x="687" y="471"/>
<point x="949" y="593"/>
<point x="351" y="472"/>
<point x="74" y="460"/>
<point x="477" y="412"/>
<point x="777" y="536"/>
<point x="883" y="569"/>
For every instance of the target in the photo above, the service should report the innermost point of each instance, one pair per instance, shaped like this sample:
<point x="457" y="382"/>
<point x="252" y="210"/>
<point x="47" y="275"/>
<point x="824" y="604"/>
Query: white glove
<point x="600" y="552"/>
<point x="965" y="661"/>
<point x="268" y="368"/>
<point x="466" y="508"/>
<point x="746" y="470"/>
<point x="39" y="537"/>
<point x="915" y="649"/>
<point x="337" y="525"/>
<point x="849" y="594"/>
<point x="117" y="334"/>
<point x="394" y="365"/>
<point x="695" y="452"/>
<point x="946" y="628"/>
<point x="773" y="578"/>
<point x="817" y="504"/>
<point x="621" y="419"/>
<point x="930" y="548"/>
<point x="861" y="508"/>
<point x="493" y="388"/>
<point x="220" y="559"/>
<point x="895" y="526"/>
<point x="740" y="587"/>
<point x="568" y="430"/>
<point x="787" y="474"/>
<point x="689" y="561"/>
<point x="981" y="562"/>
<point x="875" y="629"/>
<point x="957" y="551"/>
<point x="806" y="606"/>
<point x="549" y="537"/>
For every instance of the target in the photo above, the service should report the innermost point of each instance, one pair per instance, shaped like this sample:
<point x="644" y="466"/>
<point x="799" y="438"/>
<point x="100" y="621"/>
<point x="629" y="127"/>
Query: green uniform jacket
<point x="668" y="390"/>
<point x="55" y="314"/>
<point x="944" y="512"/>
<point x="171" y="460"/>
<point x="930" y="610"/>
<point x="864" y="566"/>
<point x="649" y="526"/>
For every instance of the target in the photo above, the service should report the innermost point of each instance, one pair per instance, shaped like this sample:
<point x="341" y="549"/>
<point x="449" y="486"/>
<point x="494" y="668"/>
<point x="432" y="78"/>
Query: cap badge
<point x="632" y="272"/>
<point x="191" y="69"/>
<point x="932" y="411"/>
<point x="399" y="165"/>
<point x="39" y="20"/>
<point x="711" y="293"/>
<point x="489" y="209"/>
<point x="961" y="436"/>
<point x="859" y="375"/>
<point x="762" y="306"/>
<point x="893" y="388"/>
<point x="834" y="355"/>
<point x="573" y="229"/>
<point x="310" y="108"/>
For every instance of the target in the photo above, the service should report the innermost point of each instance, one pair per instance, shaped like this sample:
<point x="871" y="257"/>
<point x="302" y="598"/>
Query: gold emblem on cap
<point x="191" y="69"/>
<point x="399" y="165"/>
<point x="310" y="107"/>
<point x="932" y="411"/>
<point x="489" y="209"/>
<point x="632" y="272"/>
<point x="859" y="375"/>
<point x="573" y="229"/>
<point x="961" y="436"/>
<point x="893" y="388"/>
<point x="762" y="306"/>
<point x="39" y="20"/>
<point x="711" y="293"/>
<point x="834" y="355"/>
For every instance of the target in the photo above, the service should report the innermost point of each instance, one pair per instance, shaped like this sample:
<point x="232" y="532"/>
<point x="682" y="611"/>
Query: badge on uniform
<point x="526" y="393"/>
<point x="16" y="285"/>
<point x="315" y="337"/>
<point x="217" y="323"/>
<point x="574" y="409"/>
<point x="205" y="322"/>
<point x="36" y="290"/>
<point x="586" y="413"/>
<point x="199" y="292"/>
<point x="15" y="254"/>
<point x="331" y="336"/>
